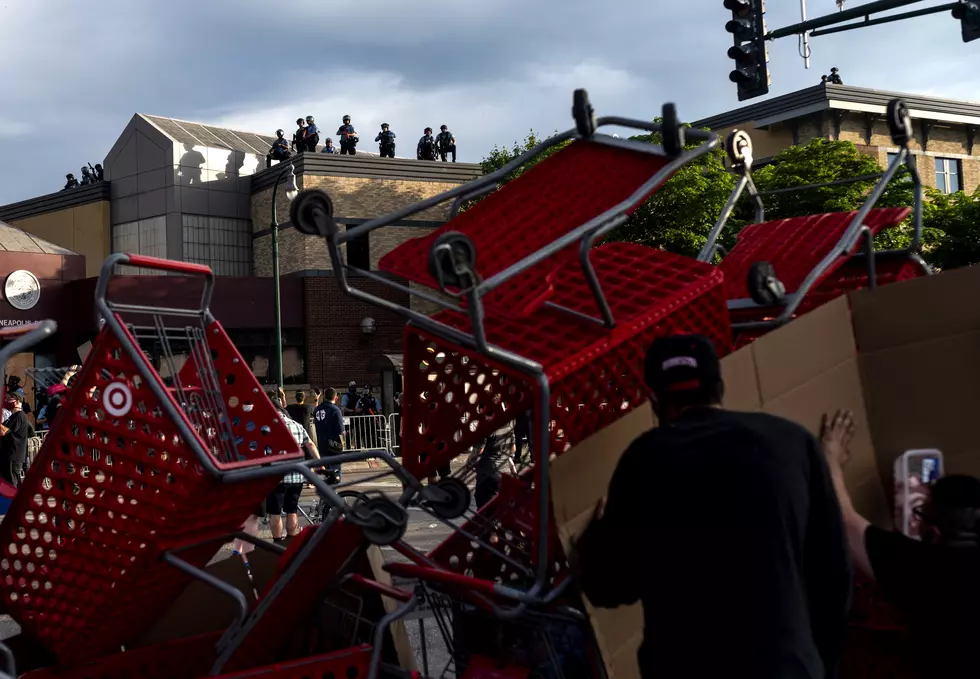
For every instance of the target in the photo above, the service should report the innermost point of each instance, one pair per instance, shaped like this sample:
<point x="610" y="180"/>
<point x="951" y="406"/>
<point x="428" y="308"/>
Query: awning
<point x="386" y="362"/>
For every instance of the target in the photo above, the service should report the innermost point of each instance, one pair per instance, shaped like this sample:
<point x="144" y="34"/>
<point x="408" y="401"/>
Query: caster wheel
<point x="452" y="253"/>
<point x="583" y="113"/>
<point x="452" y="499"/>
<point x="383" y="521"/>
<point x="311" y="212"/>
<point x="739" y="148"/>
<point x="764" y="288"/>
<point x="899" y="122"/>
<point x="671" y="131"/>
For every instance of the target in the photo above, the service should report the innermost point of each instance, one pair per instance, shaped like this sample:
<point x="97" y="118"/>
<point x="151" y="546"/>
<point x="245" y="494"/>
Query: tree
<point x="499" y="156"/>
<point x="954" y="227"/>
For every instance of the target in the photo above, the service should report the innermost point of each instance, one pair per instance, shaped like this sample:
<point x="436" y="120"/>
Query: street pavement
<point x="423" y="533"/>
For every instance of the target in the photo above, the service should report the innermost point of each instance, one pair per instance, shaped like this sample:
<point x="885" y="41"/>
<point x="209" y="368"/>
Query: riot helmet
<point x="280" y="133"/>
<point x="299" y="121"/>
<point x="346" y="119"/>
<point x="428" y="130"/>
<point x="385" y="126"/>
<point x="444" y="128"/>
<point x="309" y="119"/>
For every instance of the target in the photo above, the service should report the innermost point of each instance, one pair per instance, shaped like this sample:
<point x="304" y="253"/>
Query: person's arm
<point x="827" y="566"/>
<point x="606" y="555"/>
<point x="312" y="449"/>
<point x="836" y="434"/>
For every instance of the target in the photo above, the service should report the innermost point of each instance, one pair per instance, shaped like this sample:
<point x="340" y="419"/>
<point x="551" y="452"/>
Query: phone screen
<point x="915" y="472"/>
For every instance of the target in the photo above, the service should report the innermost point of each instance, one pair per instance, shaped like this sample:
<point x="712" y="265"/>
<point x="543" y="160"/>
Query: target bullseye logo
<point x="117" y="399"/>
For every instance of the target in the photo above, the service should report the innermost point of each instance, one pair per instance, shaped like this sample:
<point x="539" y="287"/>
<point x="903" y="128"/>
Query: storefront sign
<point x="13" y="322"/>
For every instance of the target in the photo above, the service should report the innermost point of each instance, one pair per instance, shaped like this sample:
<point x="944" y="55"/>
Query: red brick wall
<point x="337" y="351"/>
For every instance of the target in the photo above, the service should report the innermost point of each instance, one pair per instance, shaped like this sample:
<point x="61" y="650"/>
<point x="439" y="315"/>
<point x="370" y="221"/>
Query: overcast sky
<point x="72" y="72"/>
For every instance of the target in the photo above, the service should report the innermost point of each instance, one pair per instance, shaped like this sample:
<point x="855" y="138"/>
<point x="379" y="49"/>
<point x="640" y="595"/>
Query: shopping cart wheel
<point x="899" y="122"/>
<point x="739" y="148"/>
<point x="764" y="288"/>
<point x="311" y="212"/>
<point x="671" y="130"/>
<point x="451" y="499"/>
<point x="451" y="258"/>
<point x="583" y="113"/>
<point x="382" y="520"/>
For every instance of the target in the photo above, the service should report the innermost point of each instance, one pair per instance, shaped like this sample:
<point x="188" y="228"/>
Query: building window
<point x="948" y="175"/>
<point x="359" y="252"/>
<point x="143" y="237"/>
<point x="225" y="245"/>
<point x="891" y="157"/>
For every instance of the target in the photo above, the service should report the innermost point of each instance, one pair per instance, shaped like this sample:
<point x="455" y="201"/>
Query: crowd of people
<point x="306" y="139"/>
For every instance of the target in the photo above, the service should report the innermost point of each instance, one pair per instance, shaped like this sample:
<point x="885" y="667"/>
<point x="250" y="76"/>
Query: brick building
<point x="202" y="194"/>
<point x="945" y="146"/>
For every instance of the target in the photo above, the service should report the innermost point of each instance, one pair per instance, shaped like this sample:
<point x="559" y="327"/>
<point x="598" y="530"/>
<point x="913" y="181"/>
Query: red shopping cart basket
<point x="455" y="396"/>
<point x="131" y="469"/>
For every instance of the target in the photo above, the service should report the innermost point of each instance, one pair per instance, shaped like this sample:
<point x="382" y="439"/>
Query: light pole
<point x="291" y="192"/>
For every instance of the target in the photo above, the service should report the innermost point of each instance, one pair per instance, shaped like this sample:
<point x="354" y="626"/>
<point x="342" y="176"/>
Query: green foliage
<point x="679" y="216"/>
<point x="956" y="219"/>
<point x="499" y="156"/>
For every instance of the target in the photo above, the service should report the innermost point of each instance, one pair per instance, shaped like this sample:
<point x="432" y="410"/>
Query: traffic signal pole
<point x="751" y="74"/>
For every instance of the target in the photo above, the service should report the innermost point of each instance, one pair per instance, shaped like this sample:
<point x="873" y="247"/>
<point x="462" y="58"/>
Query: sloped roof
<point x="13" y="239"/>
<point x="185" y="132"/>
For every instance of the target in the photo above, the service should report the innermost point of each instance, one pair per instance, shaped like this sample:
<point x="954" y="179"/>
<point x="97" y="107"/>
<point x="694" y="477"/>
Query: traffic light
<point x="968" y="12"/>
<point x="748" y="28"/>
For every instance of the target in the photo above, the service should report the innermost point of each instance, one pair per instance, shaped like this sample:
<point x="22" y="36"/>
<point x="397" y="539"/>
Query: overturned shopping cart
<point x="535" y="316"/>
<point x="786" y="267"/>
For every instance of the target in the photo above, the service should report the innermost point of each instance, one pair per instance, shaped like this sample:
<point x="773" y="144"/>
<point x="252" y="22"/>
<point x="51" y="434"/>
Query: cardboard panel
<point x="918" y="310"/>
<point x="578" y="479"/>
<point x="838" y="387"/>
<point x="741" y="381"/>
<point x="792" y="355"/>
<point x="924" y="395"/>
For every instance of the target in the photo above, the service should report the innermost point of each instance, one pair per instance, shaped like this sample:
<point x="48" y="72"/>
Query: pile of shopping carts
<point x="148" y="472"/>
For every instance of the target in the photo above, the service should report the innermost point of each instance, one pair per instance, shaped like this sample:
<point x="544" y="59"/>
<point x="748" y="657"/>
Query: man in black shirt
<point x="329" y="422"/>
<point x="302" y="412"/>
<point x="725" y="526"/>
<point x="13" y="439"/>
<point x="933" y="582"/>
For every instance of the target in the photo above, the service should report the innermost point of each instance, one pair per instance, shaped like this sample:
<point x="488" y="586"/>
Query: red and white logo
<point x="117" y="399"/>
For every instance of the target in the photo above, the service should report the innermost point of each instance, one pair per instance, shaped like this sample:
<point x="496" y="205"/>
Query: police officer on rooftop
<point x="446" y="143"/>
<point x="279" y="150"/>
<point x="299" y="136"/>
<point x="348" y="138"/>
<point x="426" y="149"/>
<point x="386" y="141"/>
<point x="312" y="134"/>
<point x="834" y="77"/>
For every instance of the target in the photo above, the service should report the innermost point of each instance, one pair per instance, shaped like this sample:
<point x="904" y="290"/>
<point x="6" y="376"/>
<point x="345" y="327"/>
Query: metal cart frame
<point x="739" y="149"/>
<point x="452" y="263"/>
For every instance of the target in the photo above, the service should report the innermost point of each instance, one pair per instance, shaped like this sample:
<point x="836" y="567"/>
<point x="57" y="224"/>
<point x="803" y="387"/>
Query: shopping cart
<point x="553" y="643"/>
<point x="783" y="268"/>
<point x="534" y="317"/>
<point x="139" y="483"/>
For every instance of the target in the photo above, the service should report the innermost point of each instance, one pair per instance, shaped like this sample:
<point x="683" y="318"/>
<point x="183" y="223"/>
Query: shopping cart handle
<point x="380" y="588"/>
<point x="166" y="265"/>
<point x="408" y="570"/>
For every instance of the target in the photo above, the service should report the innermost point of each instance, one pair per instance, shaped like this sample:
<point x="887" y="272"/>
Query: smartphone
<point x="915" y="471"/>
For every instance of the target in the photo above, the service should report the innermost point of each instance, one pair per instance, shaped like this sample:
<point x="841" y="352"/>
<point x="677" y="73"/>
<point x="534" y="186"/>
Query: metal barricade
<point x="395" y="434"/>
<point x="367" y="432"/>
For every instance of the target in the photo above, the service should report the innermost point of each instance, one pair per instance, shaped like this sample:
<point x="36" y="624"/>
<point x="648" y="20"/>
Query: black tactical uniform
<point x="348" y="138"/>
<point x="386" y="141"/>
<point x="426" y="149"/>
<point x="299" y="137"/>
<point x="446" y="143"/>
<point x="279" y="150"/>
<point x="71" y="182"/>
<point x="312" y="134"/>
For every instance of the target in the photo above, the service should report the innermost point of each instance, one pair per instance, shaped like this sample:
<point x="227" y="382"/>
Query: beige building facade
<point x="946" y="143"/>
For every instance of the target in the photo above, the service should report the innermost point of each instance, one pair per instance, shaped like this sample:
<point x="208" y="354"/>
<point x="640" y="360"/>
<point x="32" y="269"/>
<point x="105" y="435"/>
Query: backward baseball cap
<point x="679" y="363"/>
